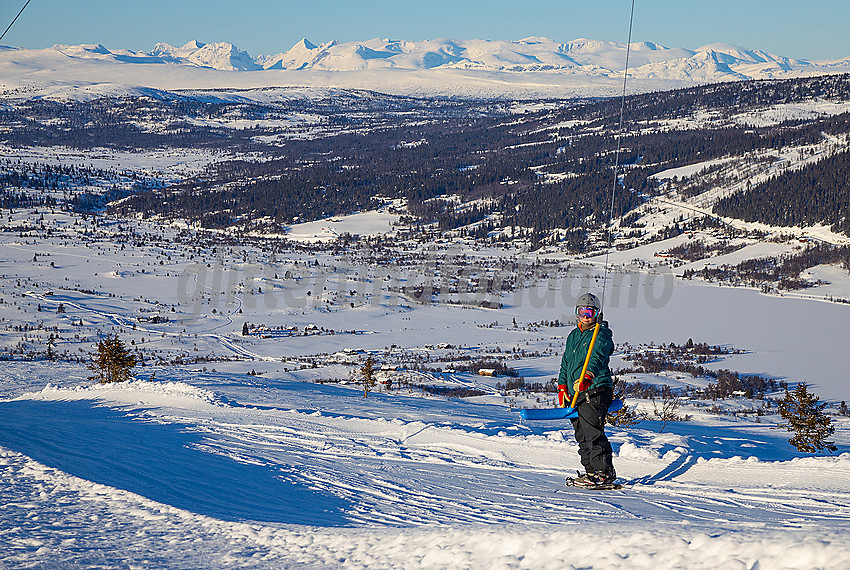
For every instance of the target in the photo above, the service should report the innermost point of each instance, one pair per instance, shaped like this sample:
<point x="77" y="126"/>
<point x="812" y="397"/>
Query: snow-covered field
<point x="222" y="470"/>
<point x="244" y="460"/>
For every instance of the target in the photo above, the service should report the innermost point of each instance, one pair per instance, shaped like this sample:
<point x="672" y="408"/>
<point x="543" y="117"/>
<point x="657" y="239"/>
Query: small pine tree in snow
<point x="113" y="361"/>
<point x="624" y="417"/>
<point x="804" y="417"/>
<point x="368" y="373"/>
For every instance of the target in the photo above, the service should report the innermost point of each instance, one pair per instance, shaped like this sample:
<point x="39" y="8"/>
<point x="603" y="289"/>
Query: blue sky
<point x="814" y="29"/>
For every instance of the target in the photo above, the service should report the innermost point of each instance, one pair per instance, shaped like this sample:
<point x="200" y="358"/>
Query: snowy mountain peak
<point x="737" y="54"/>
<point x="82" y="49"/>
<point x="648" y="45"/>
<point x="534" y="40"/>
<point x="170" y="51"/>
<point x="222" y="55"/>
<point x="193" y="45"/>
<point x="586" y="45"/>
<point x="304" y="44"/>
<point x="299" y="56"/>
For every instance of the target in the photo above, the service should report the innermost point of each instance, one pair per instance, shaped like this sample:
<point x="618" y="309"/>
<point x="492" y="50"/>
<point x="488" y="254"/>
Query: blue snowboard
<point x="561" y="413"/>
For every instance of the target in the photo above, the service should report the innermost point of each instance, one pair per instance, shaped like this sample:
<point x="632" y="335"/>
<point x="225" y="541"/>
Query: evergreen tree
<point x="113" y="361"/>
<point x="624" y="417"/>
<point x="803" y="415"/>
<point x="368" y="373"/>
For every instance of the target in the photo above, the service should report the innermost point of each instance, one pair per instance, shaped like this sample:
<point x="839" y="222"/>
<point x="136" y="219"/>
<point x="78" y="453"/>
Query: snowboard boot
<point x="602" y="480"/>
<point x="582" y="480"/>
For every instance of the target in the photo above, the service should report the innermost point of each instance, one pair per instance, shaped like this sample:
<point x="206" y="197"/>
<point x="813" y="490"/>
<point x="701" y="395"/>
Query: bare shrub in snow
<point x="667" y="412"/>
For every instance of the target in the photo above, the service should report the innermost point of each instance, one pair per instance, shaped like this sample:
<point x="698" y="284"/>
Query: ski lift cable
<point x="617" y="155"/>
<point x="15" y="20"/>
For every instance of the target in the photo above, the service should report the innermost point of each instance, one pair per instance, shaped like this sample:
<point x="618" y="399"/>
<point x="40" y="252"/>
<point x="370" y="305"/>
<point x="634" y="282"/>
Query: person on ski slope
<point x="596" y="390"/>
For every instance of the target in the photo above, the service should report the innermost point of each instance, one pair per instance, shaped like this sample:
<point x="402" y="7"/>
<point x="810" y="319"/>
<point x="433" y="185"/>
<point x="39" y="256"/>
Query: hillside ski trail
<point x="159" y="535"/>
<point x="330" y="468"/>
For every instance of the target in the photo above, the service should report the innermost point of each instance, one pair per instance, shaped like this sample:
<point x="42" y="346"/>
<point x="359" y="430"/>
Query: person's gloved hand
<point x="563" y="398"/>
<point x="583" y="384"/>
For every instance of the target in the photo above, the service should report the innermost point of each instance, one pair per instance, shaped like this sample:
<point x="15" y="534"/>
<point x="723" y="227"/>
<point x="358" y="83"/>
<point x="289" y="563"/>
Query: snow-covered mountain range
<point x="529" y="54"/>
<point x="587" y="67"/>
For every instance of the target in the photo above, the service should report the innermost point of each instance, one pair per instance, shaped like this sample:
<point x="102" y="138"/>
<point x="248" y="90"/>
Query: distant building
<point x="152" y="319"/>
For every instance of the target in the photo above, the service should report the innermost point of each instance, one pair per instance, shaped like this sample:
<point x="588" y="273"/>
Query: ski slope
<point x="223" y="470"/>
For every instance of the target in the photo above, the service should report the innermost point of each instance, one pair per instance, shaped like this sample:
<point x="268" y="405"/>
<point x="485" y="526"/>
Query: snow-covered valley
<point x="242" y="460"/>
<point x="245" y="440"/>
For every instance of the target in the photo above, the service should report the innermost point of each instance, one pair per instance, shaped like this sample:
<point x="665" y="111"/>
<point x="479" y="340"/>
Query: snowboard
<point x="604" y="487"/>
<point x="561" y="413"/>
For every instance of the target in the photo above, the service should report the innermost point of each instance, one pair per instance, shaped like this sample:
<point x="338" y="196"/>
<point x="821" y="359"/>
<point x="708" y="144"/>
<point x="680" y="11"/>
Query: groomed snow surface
<point x="227" y="470"/>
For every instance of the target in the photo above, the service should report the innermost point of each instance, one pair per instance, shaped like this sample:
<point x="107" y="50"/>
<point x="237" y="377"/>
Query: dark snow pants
<point x="593" y="445"/>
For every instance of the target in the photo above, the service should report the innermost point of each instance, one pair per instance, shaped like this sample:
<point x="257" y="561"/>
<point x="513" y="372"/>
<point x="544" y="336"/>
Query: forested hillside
<point x="526" y="174"/>
<point x="477" y="167"/>
<point x="817" y="193"/>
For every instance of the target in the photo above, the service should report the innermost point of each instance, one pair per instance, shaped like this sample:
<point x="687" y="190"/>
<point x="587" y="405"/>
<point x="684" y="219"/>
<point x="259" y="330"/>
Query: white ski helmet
<point x="589" y="300"/>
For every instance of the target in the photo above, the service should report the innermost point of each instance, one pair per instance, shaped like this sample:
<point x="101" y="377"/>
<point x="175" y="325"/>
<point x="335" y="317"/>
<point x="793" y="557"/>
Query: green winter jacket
<point x="576" y="351"/>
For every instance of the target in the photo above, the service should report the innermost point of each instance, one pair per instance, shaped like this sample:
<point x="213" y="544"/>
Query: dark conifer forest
<point x="817" y="193"/>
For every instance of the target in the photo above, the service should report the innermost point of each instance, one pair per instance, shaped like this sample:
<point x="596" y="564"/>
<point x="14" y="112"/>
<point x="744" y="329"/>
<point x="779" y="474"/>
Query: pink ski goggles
<point x="588" y="312"/>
